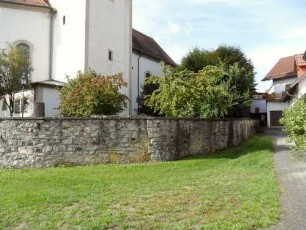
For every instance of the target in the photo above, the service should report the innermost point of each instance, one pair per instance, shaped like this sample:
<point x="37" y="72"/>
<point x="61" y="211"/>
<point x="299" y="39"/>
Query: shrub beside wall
<point x="53" y="142"/>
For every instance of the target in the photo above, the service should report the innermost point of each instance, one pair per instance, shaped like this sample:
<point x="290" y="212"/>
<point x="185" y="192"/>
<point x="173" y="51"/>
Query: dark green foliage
<point x="147" y="90"/>
<point x="90" y="94"/>
<point x="197" y="59"/>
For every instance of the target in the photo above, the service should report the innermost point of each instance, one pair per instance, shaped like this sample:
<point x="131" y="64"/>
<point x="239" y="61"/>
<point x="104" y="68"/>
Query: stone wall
<point x="67" y="141"/>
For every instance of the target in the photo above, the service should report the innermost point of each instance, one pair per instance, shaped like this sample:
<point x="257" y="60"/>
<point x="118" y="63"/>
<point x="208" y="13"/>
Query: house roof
<point x="41" y="3"/>
<point x="299" y="60"/>
<point x="147" y="46"/>
<point x="285" y="67"/>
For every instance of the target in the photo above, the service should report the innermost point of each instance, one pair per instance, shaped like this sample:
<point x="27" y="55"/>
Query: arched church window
<point x="24" y="49"/>
<point x="26" y="52"/>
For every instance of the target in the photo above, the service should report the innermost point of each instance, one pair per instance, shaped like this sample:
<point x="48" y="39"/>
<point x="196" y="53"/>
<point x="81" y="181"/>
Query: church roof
<point x="147" y="46"/>
<point x="42" y="3"/>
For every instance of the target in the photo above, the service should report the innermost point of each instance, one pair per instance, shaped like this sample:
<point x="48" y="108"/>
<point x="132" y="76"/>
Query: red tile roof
<point x="285" y="67"/>
<point x="147" y="46"/>
<point x="43" y="3"/>
<point x="299" y="60"/>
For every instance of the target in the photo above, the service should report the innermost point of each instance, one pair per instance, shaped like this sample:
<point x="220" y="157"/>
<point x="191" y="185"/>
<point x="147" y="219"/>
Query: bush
<point x="91" y="94"/>
<point x="294" y="121"/>
<point x="205" y="94"/>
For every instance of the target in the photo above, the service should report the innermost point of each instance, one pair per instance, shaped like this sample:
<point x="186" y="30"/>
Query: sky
<point x="265" y="30"/>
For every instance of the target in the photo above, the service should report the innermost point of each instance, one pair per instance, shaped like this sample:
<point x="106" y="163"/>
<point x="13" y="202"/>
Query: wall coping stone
<point x="117" y="118"/>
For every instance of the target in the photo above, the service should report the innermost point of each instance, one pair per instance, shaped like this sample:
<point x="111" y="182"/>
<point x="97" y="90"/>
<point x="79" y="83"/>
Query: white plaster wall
<point x="51" y="99"/>
<point x="31" y="26"/>
<point x="69" y="38"/>
<point x="279" y="85"/>
<point x="29" y="94"/>
<point x="275" y="106"/>
<point x="302" y="87"/>
<point x="145" y="65"/>
<point x="261" y="104"/>
<point x="109" y="29"/>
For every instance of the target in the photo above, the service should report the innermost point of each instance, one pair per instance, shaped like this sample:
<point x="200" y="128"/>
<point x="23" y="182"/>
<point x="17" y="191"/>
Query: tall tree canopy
<point x="240" y="71"/>
<point x="205" y="94"/>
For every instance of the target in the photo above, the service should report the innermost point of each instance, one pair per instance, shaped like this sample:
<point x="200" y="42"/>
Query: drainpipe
<point x="138" y="82"/>
<point x="51" y="41"/>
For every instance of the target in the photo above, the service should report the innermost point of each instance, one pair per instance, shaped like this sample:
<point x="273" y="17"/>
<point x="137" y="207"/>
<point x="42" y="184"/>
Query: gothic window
<point x="25" y="51"/>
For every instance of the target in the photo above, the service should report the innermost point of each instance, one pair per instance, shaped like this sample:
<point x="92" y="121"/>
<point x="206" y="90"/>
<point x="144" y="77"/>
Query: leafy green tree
<point x="91" y="94"/>
<point x="294" y="121"/>
<point x="205" y="94"/>
<point x="13" y="65"/>
<point x="197" y="59"/>
<point x="240" y="71"/>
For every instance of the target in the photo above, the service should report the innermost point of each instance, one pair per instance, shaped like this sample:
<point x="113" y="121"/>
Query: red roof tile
<point x="299" y="60"/>
<point x="285" y="67"/>
<point x="146" y="45"/>
<point x="43" y="3"/>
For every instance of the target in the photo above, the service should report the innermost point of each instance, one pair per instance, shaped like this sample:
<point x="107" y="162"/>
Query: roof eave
<point x="141" y="52"/>
<point x="26" y="5"/>
<point x="277" y="77"/>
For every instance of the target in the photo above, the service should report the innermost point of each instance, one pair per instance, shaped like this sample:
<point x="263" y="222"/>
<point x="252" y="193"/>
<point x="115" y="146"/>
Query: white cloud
<point x="264" y="34"/>
<point x="295" y="33"/>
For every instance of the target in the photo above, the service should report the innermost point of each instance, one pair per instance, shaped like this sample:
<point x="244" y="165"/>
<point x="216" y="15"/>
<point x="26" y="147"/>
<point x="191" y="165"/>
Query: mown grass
<point x="233" y="189"/>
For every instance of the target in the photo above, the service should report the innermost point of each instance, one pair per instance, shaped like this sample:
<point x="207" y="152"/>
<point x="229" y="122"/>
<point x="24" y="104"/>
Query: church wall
<point x="51" y="96"/>
<point x="109" y="33"/>
<point x="146" y="65"/>
<point x="22" y="24"/>
<point x="69" y="38"/>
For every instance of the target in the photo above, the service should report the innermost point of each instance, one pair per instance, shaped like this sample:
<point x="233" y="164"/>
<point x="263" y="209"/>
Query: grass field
<point x="232" y="189"/>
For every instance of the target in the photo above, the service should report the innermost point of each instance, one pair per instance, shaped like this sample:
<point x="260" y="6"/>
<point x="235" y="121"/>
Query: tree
<point x="188" y="94"/>
<point x="13" y="65"/>
<point x="294" y="121"/>
<point x="147" y="90"/>
<point x="91" y="94"/>
<point x="240" y="71"/>
<point x="197" y="59"/>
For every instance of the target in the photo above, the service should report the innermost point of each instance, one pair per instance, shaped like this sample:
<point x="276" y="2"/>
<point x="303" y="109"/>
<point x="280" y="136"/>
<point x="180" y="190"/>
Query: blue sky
<point x="265" y="30"/>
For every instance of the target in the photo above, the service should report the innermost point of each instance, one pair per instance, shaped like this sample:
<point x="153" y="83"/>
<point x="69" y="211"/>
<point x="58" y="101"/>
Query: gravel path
<point x="292" y="178"/>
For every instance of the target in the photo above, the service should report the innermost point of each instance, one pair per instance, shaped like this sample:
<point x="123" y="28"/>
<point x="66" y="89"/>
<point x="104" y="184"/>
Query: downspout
<point x="51" y="42"/>
<point x="138" y="82"/>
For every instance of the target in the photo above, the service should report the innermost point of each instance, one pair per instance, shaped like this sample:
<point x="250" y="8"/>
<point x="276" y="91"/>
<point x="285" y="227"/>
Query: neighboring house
<point x="287" y="76"/>
<point x="258" y="107"/>
<point x="63" y="37"/>
<point x="298" y="87"/>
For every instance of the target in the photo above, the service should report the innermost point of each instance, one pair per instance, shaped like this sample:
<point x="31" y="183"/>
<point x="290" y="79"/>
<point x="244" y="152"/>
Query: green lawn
<point x="232" y="189"/>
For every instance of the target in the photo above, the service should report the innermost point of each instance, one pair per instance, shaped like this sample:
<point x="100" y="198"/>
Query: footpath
<point x="291" y="171"/>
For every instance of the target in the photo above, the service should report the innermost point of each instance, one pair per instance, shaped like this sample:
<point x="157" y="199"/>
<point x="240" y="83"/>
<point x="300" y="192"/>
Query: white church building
<point x="66" y="36"/>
